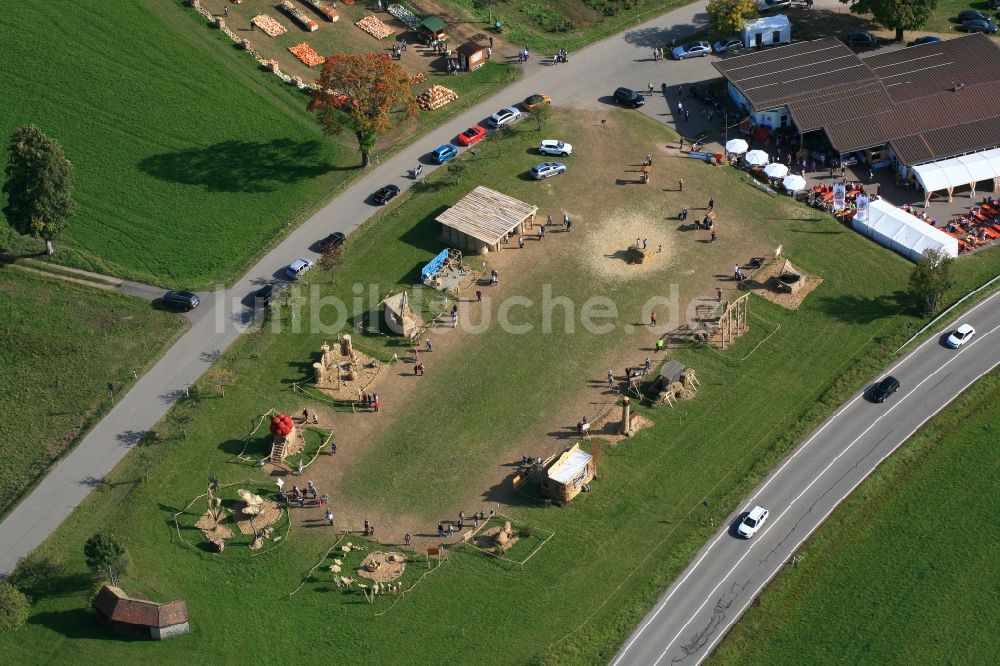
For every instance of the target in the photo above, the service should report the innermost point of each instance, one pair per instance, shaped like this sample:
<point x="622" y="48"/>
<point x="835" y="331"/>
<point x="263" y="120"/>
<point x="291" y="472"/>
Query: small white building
<point x="767" y="31"/>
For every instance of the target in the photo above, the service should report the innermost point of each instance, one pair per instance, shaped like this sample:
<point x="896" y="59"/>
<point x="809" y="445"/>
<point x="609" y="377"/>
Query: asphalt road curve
<point x="728" y="573"/>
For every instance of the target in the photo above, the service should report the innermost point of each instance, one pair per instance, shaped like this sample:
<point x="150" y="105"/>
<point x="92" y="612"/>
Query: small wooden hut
<point x="484" y="219"/>
<point x="566" y="476"/>
<point x="471" y="56"/>
<point x="433" y="29"/>
<point x="139" y="617"/>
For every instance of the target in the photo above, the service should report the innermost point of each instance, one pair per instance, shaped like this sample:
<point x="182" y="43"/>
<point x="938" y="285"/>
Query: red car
<point x="471" y="135"/>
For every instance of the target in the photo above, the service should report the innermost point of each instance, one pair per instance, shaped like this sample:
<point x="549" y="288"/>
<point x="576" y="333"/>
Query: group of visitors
<point x="370" y="401"/>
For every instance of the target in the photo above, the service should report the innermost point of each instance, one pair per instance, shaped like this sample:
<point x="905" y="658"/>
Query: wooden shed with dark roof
<point x="139" y="617"/>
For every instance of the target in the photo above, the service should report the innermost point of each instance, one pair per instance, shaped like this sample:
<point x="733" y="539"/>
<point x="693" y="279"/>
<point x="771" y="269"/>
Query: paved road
<point x="728" y="573"/>
<point x="593" y="73"/>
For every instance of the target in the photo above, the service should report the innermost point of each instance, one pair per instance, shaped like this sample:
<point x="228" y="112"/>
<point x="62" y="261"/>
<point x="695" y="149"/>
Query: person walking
<point x="520" y="242"/>
<point x="324" y="499"/>
<point x="376" y="404"/>
<point x="566" y="220"/>
<point x="718" y="294"/>
<point x="479" y="296"/>
<point x="680" y="108"/>
<point x="645" y="243"/>
<point x="713" y="236"/>
<point x="312" y="488"/>
<point x="429" y="346"/>
<point x="687" y="115"/>
<point x="329" y="517"/>
<point x="367" y="524"/>
<point x="652" y="319"/>
<point x="680" y="187"/>
<point x="611" y="379"/>
<point x="406" y="539"/>
<point x="333" y="448"/>
<point x="684" y="212"/>
<point x="711" y="204"/>
<point x="649" y="87"/>
<point x="548" y="220"/>
<point x="659" y="344"/>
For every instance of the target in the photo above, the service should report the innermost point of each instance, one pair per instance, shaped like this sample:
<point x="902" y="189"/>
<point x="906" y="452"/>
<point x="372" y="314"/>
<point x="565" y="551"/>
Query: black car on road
<point x="861" y="40"/>
<point x="181" y="300"/>
<point x="385" y="195"/>
<point x="264" y="295"/>
<point x="628" y="97"/>
<point x="336" y="239"/>
<point x="884" y="389"/>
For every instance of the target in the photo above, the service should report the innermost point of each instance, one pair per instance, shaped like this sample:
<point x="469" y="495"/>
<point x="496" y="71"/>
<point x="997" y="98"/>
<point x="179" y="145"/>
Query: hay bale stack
<point x="435" y="97"/>
<point x="688" y="379"/>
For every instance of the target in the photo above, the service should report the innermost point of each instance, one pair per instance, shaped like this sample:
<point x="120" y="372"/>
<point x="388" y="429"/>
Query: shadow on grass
<point x="424" y="236"/>
<point x="78" y="623"/>
<point x="241" y="166"/>
<point x="852" y="309"/>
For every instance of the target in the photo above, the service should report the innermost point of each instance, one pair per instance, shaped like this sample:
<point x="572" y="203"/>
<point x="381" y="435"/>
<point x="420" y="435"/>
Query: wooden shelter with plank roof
<point x="433" y="28"/>
<point x="484" y="219"/>
<point x="139" y="617"/>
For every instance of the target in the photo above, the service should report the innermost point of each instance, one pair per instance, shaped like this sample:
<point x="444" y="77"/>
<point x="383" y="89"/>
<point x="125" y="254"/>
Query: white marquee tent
<point x="958" y="171"/>
<point x="898" y="230"/>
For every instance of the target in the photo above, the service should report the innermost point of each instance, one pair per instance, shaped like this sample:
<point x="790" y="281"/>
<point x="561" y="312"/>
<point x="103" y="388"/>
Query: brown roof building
<point x="138" y="617"/>
<point x="926" y="102"/>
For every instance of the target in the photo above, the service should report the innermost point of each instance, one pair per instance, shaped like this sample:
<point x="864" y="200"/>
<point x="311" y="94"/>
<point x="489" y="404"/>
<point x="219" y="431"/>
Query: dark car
<point x="264" y="295"/>
<point x="929" y="39"/>
<point x="971" y="15"/>
<point x="181" y="300"/>
<point x="628" y="97"/>
<point x="385" y="195"/>
<point x="979" y="26"/>
<point x="861" y="40"/>
<point x="884" y="389"/>
<point x="336" y="239"/>
<point x="702" y="93"/>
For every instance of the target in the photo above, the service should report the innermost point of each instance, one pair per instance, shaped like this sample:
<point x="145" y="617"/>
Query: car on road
<point x="472" y="135"/>
<point x="336" y="239"/>
<point x="547" y="170"/>
<point x="692" y="50"/>
<point x="979" y="26"/>
<point x="264" y="295"/>
<point x="752" y="523"/>
<point x="532" y="102"/>
<point x="555" y="147"/>
<point x="628" y="97"/>
<point x="444" y="153"/>
<point x="728" y="44"/>
<point x="384" y="195"/>
<point x="772" y="5"/>
<point x="861" y="40"/>
<point x="960" y="336"/>
<point x="504" y="117"/>
<point x="929" y="39"/>
<point x="298" y="268"/>
<point x="884" y="389"/>
<point x="181" y="300"/>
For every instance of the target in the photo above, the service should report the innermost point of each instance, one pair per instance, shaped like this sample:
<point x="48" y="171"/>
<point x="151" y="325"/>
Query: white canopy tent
<point x="898" y="230"/>
<point x="964" y="170"/>
<point x="737" y="146"/>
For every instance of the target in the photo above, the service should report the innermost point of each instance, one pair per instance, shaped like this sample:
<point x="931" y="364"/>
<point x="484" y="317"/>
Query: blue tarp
<point x="434" y="266"/>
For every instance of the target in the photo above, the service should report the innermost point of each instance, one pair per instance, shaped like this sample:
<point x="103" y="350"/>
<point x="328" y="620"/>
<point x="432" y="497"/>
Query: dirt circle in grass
<point x="382" y="567"/>
<point x="608" y="240"/>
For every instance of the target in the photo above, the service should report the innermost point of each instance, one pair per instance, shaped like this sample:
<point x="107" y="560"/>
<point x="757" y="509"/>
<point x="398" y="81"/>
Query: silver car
<point x="547" y="169"/>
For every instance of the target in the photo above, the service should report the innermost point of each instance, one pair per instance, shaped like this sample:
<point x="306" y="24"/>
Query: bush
<point x="35" y="571"/>
<point x="14" y="605"/>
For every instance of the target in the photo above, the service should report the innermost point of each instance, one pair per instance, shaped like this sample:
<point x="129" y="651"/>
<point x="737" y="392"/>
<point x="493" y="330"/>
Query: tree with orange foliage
<point x="364" y="94"/>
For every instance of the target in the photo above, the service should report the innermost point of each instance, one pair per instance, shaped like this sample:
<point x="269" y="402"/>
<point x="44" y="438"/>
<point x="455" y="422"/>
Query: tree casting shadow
<point x="241" y="166"/>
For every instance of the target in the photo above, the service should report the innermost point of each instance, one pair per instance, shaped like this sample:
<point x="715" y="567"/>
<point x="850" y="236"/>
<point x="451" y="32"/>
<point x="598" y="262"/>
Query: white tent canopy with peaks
<point x="898" y="230"/>
<point x="958" y="171"/>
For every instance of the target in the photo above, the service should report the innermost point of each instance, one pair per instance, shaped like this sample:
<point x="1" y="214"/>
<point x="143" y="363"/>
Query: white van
<point x="767" y="31"/>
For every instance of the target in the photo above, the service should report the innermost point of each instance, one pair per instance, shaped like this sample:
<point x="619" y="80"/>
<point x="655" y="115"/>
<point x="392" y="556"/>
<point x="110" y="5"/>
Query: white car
<point x="960" y="336"/>
<point x="753" y="522"/>
<point x="504" y="117"/>
<point x="298" y="268"/>
<point x="546" y="169"/>
<point x="692" y="50"/>
<point x="555" y="147"/>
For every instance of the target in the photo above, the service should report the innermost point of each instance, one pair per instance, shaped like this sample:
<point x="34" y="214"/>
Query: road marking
<point x="774" y="475"/>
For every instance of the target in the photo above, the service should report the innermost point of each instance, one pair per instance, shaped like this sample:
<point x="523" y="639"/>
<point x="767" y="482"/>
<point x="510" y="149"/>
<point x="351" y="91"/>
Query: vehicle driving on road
<point x="181" y="300"/>
<point x="960" y="336"/>
<point x="384" y="195"/>
<point x="753" y="522"/>
<point x="884" y="389"/>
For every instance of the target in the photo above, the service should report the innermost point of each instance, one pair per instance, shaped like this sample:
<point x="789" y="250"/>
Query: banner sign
<point x="862" y="202"/>
<point x="839" y="196"/>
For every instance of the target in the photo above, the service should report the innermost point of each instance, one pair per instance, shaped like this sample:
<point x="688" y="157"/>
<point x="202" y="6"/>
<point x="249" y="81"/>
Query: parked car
<point x="771" y="5"/>
<point x="628" y="97"/>
<point x="861" y="40"/>
<point x="702" y="93"/>
<point x="504" y="117"/>
<point x="181" y="300"/>
<point x="555" y="147"/>
<point x="692" y="50"/>
<point x="960" y="336"/>
<point x="884" y="389"/>
<point x="547" y="169"/>
<point x="971" y="15"/>
<point x="929" y="39"/>
<point x="472" y="135"/>
<point x="728" y="44"/>
<point x="444" y="153"/>
<point x="532" y="102"/>
<point x="753" y="522"/>
<point x="385" y="194"/>
<point x="264" y="295"/>
<point x="979" y="26"/>
<point x="298" y="268"/>
<point x="336" y="239"/>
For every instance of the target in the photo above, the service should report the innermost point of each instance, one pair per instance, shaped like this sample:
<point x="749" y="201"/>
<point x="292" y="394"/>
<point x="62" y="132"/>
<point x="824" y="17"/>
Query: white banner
<point x="862" y="202"/>
<point x="839" y="196"/>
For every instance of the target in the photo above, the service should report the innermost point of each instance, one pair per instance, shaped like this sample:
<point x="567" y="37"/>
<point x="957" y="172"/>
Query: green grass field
<point x="945" y="16"/>
<point x="63" y="343"/>
<point x="905" y="571"/>
<point x="190" y="161"/>
<point x="614" y="549"/>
